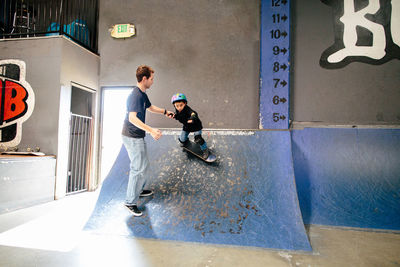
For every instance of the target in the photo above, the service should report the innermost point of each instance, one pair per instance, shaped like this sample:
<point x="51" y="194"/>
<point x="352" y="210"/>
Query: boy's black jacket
<point x="188" y="114"/>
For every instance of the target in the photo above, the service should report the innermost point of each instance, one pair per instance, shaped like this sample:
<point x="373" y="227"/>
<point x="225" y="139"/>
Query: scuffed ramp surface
<point x="247" y="198"/>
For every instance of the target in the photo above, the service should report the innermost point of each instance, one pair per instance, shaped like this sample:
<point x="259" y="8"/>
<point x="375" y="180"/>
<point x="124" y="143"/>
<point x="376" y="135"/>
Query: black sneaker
<point x="184" y="144"/>
<point x="134" y="210"/>
<point x="146" y="193"/>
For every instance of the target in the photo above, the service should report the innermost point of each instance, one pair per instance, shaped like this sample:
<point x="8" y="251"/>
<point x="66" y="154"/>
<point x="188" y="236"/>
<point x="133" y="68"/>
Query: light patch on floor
<point x="58" y="230"/>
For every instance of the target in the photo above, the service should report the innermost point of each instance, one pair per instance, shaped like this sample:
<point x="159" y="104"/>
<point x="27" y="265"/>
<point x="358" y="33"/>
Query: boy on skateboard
<point x="191" y="123"/>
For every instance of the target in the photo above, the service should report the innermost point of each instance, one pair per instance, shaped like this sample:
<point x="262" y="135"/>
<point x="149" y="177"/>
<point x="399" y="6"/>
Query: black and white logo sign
<point x="365" y="31"/>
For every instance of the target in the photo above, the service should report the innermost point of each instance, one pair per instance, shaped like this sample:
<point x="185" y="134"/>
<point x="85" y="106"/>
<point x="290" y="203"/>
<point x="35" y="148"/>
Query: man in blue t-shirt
<point x="133" y="133"/>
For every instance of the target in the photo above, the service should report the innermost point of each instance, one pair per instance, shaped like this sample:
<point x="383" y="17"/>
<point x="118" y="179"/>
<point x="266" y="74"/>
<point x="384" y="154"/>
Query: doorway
<point x="113" y="114"/>
<point x="80" y="140"/>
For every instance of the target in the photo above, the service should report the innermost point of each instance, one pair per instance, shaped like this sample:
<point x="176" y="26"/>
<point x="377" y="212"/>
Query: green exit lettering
<point x="122" y="28"/>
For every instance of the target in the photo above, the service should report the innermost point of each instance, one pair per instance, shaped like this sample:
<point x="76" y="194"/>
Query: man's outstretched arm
<point x="155" y="133"/>
<point x="155" y="109"/>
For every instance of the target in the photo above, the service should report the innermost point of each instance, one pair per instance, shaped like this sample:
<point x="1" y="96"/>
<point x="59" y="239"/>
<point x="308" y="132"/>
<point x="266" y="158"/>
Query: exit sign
<point x="123" y="30"/>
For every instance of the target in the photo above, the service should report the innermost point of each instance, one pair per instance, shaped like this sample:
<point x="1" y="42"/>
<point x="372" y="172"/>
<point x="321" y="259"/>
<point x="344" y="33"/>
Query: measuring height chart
<point x="275" y="64"/>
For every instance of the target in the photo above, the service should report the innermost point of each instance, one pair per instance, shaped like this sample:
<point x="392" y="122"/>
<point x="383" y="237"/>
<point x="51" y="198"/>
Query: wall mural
<point x="365" y="31"/>
<point x="17" y="101"/>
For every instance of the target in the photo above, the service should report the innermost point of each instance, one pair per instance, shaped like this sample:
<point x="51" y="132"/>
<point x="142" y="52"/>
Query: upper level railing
<point x="32" y="18"/>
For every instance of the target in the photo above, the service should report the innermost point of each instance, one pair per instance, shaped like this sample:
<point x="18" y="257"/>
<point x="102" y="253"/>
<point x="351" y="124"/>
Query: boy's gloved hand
<point x="169" y="114"/>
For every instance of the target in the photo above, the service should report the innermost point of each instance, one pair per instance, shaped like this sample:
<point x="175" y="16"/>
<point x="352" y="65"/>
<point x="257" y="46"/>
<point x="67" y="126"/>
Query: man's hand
<point x="155" y="133"/>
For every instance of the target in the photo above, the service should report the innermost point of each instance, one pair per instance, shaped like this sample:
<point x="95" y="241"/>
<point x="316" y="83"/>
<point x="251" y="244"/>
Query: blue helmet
<point x="178" y="97"/>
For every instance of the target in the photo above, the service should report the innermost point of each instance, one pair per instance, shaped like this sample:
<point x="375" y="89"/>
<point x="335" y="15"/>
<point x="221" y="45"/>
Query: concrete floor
<point x="50" y="235"/>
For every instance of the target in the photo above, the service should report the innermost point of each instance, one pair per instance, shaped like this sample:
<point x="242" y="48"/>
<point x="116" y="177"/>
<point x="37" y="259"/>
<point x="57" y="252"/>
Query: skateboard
<point x="32" y="153"/>
<point x="194" y="149"/>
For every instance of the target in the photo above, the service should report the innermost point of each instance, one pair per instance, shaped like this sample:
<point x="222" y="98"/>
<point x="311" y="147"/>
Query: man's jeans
<point x="137" y="152"/>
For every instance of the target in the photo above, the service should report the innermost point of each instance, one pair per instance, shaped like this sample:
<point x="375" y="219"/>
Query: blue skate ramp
<point x="348" y="177"/>
<point x="246" y="198"/>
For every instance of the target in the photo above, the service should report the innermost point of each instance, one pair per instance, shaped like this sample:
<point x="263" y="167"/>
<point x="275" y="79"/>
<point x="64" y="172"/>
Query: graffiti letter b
<point x="351" y="20"/>
<point x="14" y="101"/>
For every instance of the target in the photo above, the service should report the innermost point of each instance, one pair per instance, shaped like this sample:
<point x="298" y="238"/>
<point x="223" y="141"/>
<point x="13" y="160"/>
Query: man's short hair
<point x="143" y="71"/>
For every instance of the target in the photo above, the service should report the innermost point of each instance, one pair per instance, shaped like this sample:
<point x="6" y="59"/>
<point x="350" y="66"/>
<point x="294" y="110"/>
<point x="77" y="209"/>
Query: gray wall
<point x="26" y="181"/>
<point x="50" y="63"/>
<point x="79" y="67"/>
<point x="356" y="94"/>
<point x="53" y="64"/>
<point x="208" y="50"/>
<point x="42" y="58"/>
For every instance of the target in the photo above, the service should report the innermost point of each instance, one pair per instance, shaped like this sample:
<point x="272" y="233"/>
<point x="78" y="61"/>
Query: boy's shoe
<point x="206" y="153"/>
<point x="146" y="193"/>
<point x="134" y="210"/>
<point x="184" y="144"/>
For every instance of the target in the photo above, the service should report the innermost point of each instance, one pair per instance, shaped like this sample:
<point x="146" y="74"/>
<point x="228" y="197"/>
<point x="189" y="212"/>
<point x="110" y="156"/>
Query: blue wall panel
<point x="348" y="177"/>
<point x="275" y="64"/>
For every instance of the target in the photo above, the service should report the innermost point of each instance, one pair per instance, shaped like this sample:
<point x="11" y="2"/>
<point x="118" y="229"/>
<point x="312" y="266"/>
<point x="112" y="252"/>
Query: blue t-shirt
<point x="137" y="102"/>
